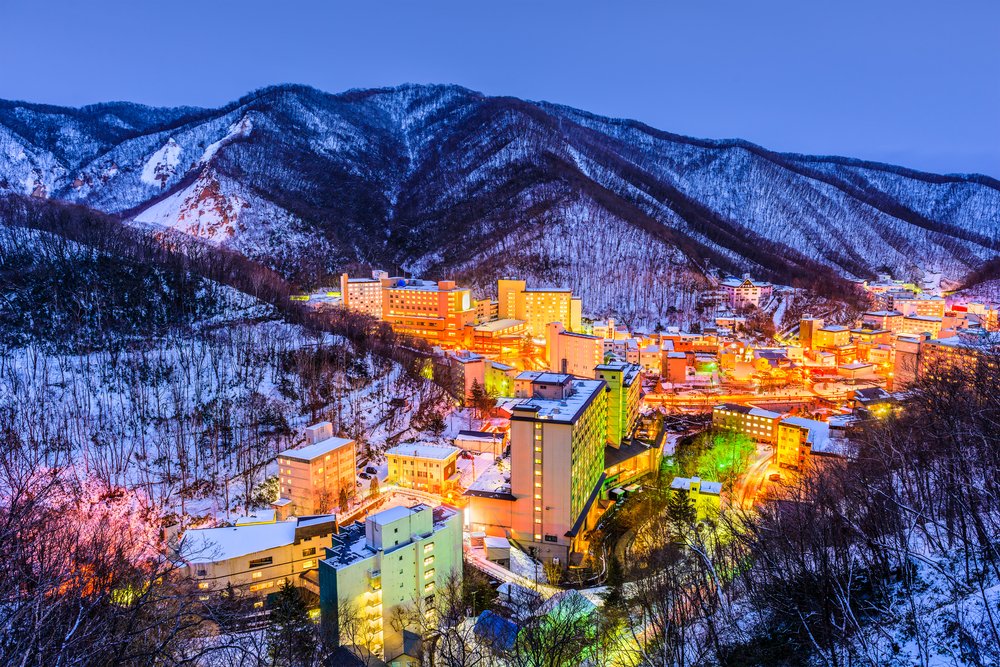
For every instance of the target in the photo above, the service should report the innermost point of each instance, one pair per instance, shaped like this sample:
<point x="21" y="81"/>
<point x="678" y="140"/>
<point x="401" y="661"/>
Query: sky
<point x="911" y="82"/>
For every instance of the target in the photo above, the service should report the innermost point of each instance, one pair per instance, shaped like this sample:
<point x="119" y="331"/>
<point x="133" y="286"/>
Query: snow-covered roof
<point x="498" y="325"/>
<point x="562" y="409"/>
<point x="423" y="451"/>
<point x="212" y="545"/>
<point x="388" y="516"/>
<point x="321" y="448"/>
<point x="704" y="486"/>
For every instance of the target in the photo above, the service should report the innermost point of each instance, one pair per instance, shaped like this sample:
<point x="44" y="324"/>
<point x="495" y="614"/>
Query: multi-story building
<point x="963" y="352"/>
<point x="312" y="477"/>
<point x="906" y="360"/>
<point x="798" y="439"/>
<point x="676" y="367"/>
<point x="755" y="423"/>
<point x="425" y="467"/>
<point x="882" y="319"/>
<point x="911" y="304"/>
<point x="920" y="324"/>
<point x="743" y="292"/>
<point x="256" y="558"/>
<point x="572" y="353"/>
<point x="830" y="337"/>
<point x="808" y="326"/>
<point x="623" y="398"/>
<point x="498" y="337"/>
<point x="363" y="294"/>
<point x="487" y="310"/>
<point x="538" y="306"/>
<point x="398" y="559"/>
<point x="436" y="311"/>
<point x="557" y="438"/>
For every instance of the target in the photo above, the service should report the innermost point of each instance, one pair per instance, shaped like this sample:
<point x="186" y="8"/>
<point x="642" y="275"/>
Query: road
<point x="745" y="490"/>
<point x="474" y="558"/>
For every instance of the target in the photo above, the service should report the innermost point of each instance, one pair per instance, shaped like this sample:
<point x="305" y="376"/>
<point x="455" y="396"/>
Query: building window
<point x="202" y="573"/>
<point x="429" y="573"/>
<point x="308" y="564"/>
<point x="311" y="551"/>
<point x="256" y="575"/>
<point x="261" y="562"/>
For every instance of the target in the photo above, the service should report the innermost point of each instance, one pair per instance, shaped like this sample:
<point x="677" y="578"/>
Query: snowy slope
<point x="443" y="180"/>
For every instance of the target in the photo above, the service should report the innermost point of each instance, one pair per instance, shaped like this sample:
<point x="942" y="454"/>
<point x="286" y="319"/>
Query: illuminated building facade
<point x="376" y="569"/>
<point x="538" y="307"/>
<point x="313" y="476"/>
<point x="436" y="311"/>
<point x="431" y="468"/>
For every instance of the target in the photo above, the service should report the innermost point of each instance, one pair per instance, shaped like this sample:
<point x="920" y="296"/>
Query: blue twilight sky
<point x="913" y="82"/>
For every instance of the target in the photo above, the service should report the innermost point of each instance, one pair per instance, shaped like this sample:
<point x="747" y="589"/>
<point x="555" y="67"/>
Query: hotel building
<point x="743" y="292"/>
<point x="557" y="438"/>
<point x="572" y="353"/>
<point x="363" y="295"/>
<point x="538" y="307"/>
<point x="259" y="557"/>
<point x="435" y="311"/>
<point x="624" y="393"/>
<point x="397" y="559"/>
<point x="311" y="477"/>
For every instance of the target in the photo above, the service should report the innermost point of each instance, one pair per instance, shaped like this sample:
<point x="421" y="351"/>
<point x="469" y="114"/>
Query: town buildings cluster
<point x="566" y="438"/>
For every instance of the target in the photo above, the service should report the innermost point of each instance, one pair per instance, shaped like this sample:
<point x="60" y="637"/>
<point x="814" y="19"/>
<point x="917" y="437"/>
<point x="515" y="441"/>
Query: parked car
<point x="365" y="475"/>
<point x="371" y="470"/>
<point x="774" y="477"/>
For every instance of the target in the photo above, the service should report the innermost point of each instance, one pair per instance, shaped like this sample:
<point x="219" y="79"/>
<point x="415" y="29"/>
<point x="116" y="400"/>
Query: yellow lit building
<point x="551" y="497"/>
<point x="831" y="336"/>
<point x="755" y="423"/>
<point x="424" y="467"/>
<point x="538" y="307"/>
<point x="707" y="496"/>
<point x="313" y="476"/>
<point x="436" y="311"/>
<point x="804" y="442"/>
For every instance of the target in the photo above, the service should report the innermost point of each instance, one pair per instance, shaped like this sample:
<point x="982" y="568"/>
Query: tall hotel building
<point x="436" y="311"/>
<point x="557" y="438"/>
<point x="538" y="306"/>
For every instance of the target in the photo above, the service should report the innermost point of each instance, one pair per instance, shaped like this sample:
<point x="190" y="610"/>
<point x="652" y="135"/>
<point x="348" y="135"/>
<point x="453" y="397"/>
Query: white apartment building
<point x="398" y="557"/>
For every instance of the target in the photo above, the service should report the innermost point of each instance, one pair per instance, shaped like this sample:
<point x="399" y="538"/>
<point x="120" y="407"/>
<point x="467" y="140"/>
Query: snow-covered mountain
<point x="443" y="180"/>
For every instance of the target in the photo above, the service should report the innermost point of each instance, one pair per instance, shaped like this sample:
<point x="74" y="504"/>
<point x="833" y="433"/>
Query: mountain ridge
<point x="439" y="179"/>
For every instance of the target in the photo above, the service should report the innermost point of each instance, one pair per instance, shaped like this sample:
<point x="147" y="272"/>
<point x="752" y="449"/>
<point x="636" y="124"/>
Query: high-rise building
<point x="363" y="294"/>
<point x="572" y="353"/>
<point x="538" y="306"/>
<point x="557" y="439"/>
<point x="623" y="398"/>
<point x="436" y="311"/>
<point x="312" y="477"/>
<point x="397" y="559"/>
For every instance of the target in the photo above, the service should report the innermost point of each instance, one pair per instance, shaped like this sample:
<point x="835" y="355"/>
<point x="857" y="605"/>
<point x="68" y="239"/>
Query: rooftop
<point x="704" y="486"/>
<point x="310" y="452"/>
<point x="565" y="409"/>
<point x="423" y="451"/>
<point x="498" y="325"/>
<point x="209" y="545"/>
